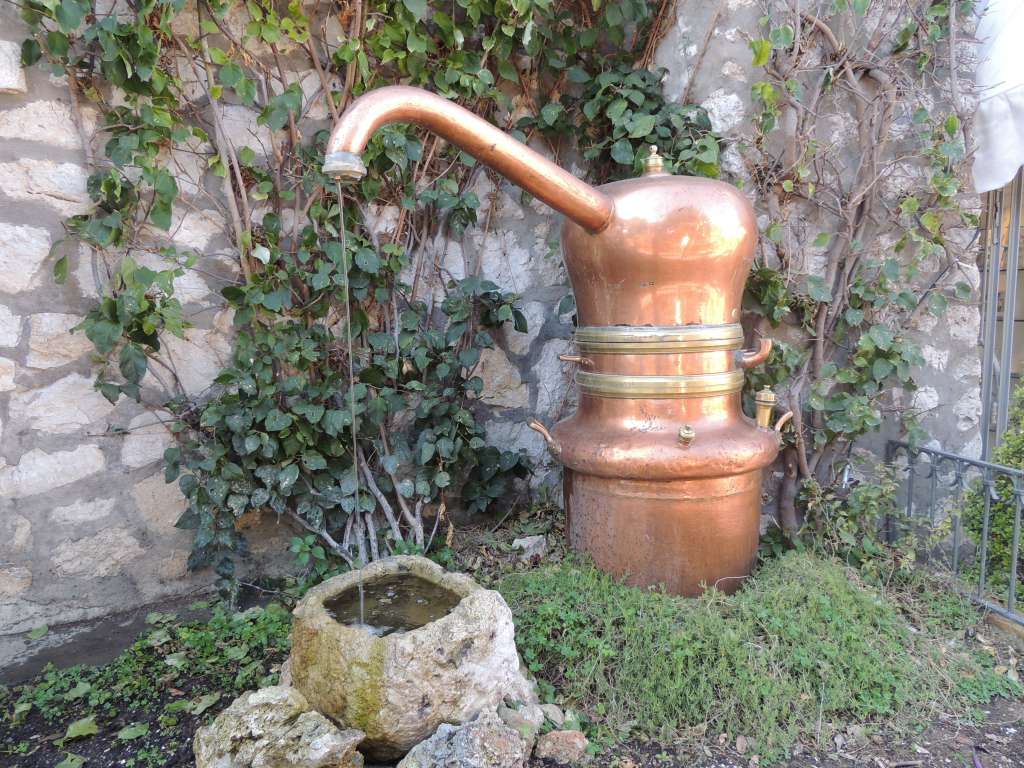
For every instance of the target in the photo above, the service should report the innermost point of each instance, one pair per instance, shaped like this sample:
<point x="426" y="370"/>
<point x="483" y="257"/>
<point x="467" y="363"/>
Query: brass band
<point x="631" y="339"/>
<point x="659" y="387"/>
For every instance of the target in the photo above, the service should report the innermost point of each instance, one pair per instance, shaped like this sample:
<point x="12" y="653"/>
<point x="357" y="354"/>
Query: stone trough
<point x="433" y="648"/>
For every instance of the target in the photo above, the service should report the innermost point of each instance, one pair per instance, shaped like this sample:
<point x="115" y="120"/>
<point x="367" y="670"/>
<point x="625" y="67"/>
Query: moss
<point x="365" y="690"/>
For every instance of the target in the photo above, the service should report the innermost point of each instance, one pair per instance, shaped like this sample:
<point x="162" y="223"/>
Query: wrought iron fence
<point x="939" y="483"/>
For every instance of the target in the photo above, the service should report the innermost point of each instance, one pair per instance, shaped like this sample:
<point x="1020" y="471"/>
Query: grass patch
<point x="801" y="652"/>
<point x="146" y="703"/>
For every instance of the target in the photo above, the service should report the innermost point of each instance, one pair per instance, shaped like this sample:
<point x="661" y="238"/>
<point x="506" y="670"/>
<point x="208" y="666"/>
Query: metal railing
<point x="935" y="481"/>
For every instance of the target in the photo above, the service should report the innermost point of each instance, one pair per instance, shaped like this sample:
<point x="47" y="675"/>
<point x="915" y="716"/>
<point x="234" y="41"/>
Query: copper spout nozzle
<point x="585" y="205"/>
<point x="344" y="166"/>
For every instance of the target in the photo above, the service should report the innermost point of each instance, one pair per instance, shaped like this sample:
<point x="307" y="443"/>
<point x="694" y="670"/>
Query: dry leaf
<point x="741" y="744"/>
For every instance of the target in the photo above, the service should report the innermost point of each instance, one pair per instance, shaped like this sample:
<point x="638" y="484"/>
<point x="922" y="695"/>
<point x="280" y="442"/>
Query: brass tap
<point x="765" y="403"/>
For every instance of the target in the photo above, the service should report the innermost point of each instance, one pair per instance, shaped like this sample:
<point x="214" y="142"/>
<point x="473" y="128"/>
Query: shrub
<point x="1003" y="507"/>
<point x="801" y="651"/>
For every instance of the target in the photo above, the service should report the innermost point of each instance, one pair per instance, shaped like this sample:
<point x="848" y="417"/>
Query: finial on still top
<point x="653" y="163"/>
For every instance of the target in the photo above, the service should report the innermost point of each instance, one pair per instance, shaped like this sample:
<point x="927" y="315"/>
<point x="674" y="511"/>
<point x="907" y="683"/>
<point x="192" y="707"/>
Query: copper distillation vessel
<point x="662" y="470"/>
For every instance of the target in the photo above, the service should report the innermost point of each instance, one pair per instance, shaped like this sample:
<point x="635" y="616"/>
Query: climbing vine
<point x="351" y="404"/>
<point x="861" y="174"/>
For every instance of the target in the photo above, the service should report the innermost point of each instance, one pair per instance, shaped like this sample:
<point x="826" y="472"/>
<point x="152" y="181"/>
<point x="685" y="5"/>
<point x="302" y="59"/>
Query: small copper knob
<point x="686" y="435"/>
<point x="653" y="163"/>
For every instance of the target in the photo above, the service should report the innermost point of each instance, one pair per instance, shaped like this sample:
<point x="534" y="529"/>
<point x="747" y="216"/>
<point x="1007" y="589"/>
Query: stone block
<point x="22" y="253"/>
<point x="39" y="471"/>
<point x="82" y="511"/>
<point x="7" y="371"/>
<point x="502" y="384"/>
<point x="62" y="407"/>
<point x="12" y="76"/>
<point x="10" y="328"/>
<point x="160" y="504"/>
<point x="48" y="122"/>
<point x="99" y="556"/>
<point x="146" y="439"/>
<point x="61" y="186"/>
<point x="14" y="580"/>
<point x="51" y="342"/>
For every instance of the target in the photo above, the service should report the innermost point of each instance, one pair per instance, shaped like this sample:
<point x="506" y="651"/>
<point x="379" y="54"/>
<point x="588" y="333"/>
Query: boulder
<point x="486" y="742"/>
<point x="399" y="688"/>
<point x="526" y="720"/>
<point x="531" y="547"/>
<point x="563" y="747"/>
<point x="275" y="728"/>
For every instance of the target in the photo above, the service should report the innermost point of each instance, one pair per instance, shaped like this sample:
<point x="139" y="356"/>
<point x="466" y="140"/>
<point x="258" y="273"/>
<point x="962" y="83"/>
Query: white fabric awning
<point x="999" y="121"/>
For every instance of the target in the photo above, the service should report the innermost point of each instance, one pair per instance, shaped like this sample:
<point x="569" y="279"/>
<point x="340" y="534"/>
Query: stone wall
<point x="85" y="517"/>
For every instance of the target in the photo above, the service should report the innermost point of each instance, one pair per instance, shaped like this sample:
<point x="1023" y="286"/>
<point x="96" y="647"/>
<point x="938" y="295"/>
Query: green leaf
<point x="622" y="152"/>
<point x="82" y="728"/>
<point x="276" y="421"/>
<point x="418" y="8"/>
<point x="881" y="369"/>
<point x="881" y="336"/>
<point x="38" y="632"/>
<point x="132" y="362"/>
<point x="78" y="691"/>
<point x="817" y="289"/>
<point x="69" y="15"/>
<point x="286" y="477"/>
<point x="31" y="52"/>
<point x="550" y="112"/>
<point x="782" y="37"/>
<point x="133" y="731"/>
<point x="367" y="260"/>
<point x="205" y="702"/>
<point x="822" y="240"/>
<point x="71" y="760"/>
<point x="860" y="7"/>
<point x="615" y="109"/>
<point x="762" y="50"/>
<point x="641" y="126"/>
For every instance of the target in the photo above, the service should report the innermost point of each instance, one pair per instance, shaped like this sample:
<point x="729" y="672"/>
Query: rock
<point x="400" y="687"/>
<point x="525" y="720"/>
<point x="10" y="327"/>
<point x="146" y="439"/>
<point x="554" y="714"/>
<point x="43" y="121"/>
<point x="82" y="511"/>
<point x="553" y="377"/>
<point x="12" y="76"/>
<point x="503" y="385"/>
<point x="52" y="343"/>
<point x="531" y="547"/>
<point x="62" y="186"/>
<point x="40" y="471"/>
<point x="7" y="371"/>
<point x="13" y="581"/>
<point x="563" y="747"/>
<point x="62" y="407"/>
<point x="486" y="742"/>
<point x="22" y="253"/>
<point x="275" y="728"/>
<point x="104" y="554"/>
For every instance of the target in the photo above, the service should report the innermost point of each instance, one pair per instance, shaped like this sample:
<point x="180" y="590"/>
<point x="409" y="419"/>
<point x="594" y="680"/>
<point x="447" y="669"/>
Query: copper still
<point x="662" y="470"/>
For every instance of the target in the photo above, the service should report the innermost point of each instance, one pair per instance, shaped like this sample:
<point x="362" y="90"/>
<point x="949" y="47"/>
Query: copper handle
<point x="783" y="420"/>
<point x="583" y="362"/>
<point x="749" y="358"/>
<point x="553" y="445"/>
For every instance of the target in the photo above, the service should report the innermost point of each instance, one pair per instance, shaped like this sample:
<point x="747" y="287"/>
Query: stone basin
<point x="434" y="665"/>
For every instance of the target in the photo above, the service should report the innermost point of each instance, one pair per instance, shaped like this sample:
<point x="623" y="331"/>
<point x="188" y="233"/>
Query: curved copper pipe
<point x="589" y="208"/>
<point x="749" y="358"/>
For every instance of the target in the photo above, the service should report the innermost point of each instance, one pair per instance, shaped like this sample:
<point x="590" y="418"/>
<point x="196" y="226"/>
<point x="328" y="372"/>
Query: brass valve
<point x="765" y="403"/>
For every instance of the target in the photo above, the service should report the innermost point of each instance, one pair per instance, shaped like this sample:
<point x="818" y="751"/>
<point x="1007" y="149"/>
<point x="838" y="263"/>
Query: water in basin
<point x="392" y="604"/>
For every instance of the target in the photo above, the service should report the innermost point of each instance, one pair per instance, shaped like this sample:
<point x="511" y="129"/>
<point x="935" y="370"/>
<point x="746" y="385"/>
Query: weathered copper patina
<point x="663" y="471"/>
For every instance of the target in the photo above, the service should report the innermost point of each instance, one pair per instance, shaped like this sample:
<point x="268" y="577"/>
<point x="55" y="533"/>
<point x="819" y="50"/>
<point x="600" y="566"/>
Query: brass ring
<point x="659" y="387"/>
<point x="632" y="339"/>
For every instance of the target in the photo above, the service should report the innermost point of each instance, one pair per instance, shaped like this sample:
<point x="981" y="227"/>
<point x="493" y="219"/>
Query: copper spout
<point x="580" y="202"/>
<point x="552" y="443"/>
